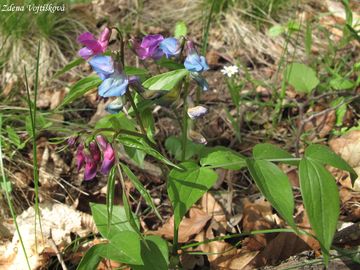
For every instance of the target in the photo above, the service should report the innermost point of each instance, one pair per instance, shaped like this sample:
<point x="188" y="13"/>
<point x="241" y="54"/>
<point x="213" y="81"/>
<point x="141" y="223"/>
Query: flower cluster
<point x="115" y="83"/>
<point x="98" y="151"/>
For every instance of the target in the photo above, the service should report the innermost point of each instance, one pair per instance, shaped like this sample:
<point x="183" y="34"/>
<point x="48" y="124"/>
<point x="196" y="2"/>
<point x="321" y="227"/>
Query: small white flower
<point x="230" y="70"/>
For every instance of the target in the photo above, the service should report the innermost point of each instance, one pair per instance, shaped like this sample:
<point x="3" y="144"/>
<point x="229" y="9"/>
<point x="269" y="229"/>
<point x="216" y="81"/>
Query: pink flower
<point x="92" y="45"/>
<point x="90" y="168"/>
<point x="80" y="157"/>
<point x="108" y="160"/>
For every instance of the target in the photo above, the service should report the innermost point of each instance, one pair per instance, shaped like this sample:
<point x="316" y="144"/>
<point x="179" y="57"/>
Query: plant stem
<point x="185" y="119"/>
<point x="8" y="198"/>
<point x="207" y="28"/>
<point x="137" y="114"/>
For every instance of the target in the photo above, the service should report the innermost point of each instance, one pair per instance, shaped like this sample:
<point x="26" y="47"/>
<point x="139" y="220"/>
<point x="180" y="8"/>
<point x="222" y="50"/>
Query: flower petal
<point x="114" y="86"/>
<point x="170" y="46"/>
<point x="102" y="65"/>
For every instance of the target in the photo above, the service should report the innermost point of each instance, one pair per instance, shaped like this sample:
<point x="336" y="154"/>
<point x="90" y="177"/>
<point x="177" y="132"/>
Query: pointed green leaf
<point x="224" y="158"/>
<point x="321" y="201"/>
<point x="165" y="81"/>
<point x="186" y="187"/>
<point x="130" y="215"/>
<point x="154" y="253"/>
<point x="127" y="245"/>
<point x="324" y="155"/>
<point x="271" y="152"/>
<point x="275" y="186"/>
<point x="69" y="66"/>
<point x="92" y="257"/>
<point x="80" y="88"/>
<point x="119" y="221"/>
<point x="139" y="186"/>
<point x="180" y="29"/>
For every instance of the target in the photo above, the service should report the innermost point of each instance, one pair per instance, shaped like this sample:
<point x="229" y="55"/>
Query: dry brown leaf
<point x="280" y="248"/>
<point x="257" y="216"/>
<point x="321" y="125"/>
<point x="210" y="206"/>
<point x="189" y="226"/>
<point x="348" y="147"/>
<point x="223" y="255"/>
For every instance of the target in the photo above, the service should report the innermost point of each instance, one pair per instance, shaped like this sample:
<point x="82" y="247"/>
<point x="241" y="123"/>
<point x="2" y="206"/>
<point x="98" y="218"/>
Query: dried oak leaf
<point x="348" y="147"/>
<point x="222" y="255"/>
<point x="189" y="226"/>
<point x="321" y="125"/>
<point x="280" y="248"/>
<point x="257" y="216"/>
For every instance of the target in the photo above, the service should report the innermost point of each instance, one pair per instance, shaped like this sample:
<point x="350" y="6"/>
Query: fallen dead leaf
<point x="321" y="125"/>
<point x="223" y="255"/>
<point x="280" y="248"/>
<point x="189" y="226"/>
<point x="348" y="147"/>
<point x="257" y="216"/>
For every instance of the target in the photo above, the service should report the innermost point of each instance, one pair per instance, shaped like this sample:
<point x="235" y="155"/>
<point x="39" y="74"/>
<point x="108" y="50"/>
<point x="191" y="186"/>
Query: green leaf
<point x="92" y="257"/>
<point x="13" y="137"/>
<point x="301" y="77"/>
<point x="166" y="81"/>
<point x="321" y="201"/>
<point x="135" y="71"/>
<point x="341" y="84"/>
<point x="275" y="186"/>
<point x="186" y="187"/>
<point x="324" y="155"/>
<point x="154" y="253"/>
<point x="276" y="30"/>
<point x="139" y="187"/>
<point x="224" y="158"/>
<point x="169" y="63"/>
<point x="127" y="245"/>
<point x="180" y="29"/>
<point x="129" y="214"/>
<point x="80" y="88"/>
<point x="271" y="152"/>
<point x="119" y="221"/>
<point x="139" y="143"/>
<point x="174" y="146"/>
<point x="110" y="192"/>
<point x="69" y="66"/>
<point x="136" y="155"/>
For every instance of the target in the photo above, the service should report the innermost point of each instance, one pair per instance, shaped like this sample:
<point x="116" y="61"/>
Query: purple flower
<point x="149" y="47"/>
<point x="108" y="160"/>
<point x="80" y="156"/>
<point x="101" y="141"/>
<point x="108" y="154"/>
<point x="94" y="151"/>
<point x="170" y="46"/>
<point x="90" y="168"/>
<point x="194" y="62"/>
<point x="92" y="45"/>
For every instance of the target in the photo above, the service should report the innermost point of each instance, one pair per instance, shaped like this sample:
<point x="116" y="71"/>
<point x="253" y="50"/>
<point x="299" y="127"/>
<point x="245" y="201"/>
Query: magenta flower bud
<point x="90" y="168"/>
<point x="108" y="160"/>
<point x="94" y="151"/>
<point x="92" y="45"/>
<point x="80" y="157"/>
<point x="102" y="142"/>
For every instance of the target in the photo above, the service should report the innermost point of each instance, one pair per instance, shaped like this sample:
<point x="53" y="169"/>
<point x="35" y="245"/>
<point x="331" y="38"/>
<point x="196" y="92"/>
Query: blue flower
<point x="115" y="106"/>
<point x="170" y="46"/>
<point x="195" y="63"/>
<point x="102" y="65"/>
<point x="114" y="86"/>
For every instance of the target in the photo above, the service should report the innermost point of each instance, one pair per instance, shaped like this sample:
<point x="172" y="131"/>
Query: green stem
<point x="207" y="28"/>
<point x="8" y="198"/>
<point x="137" y="114"/>
<point x="220" y="238"/>
<point x="185" y="119"/>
